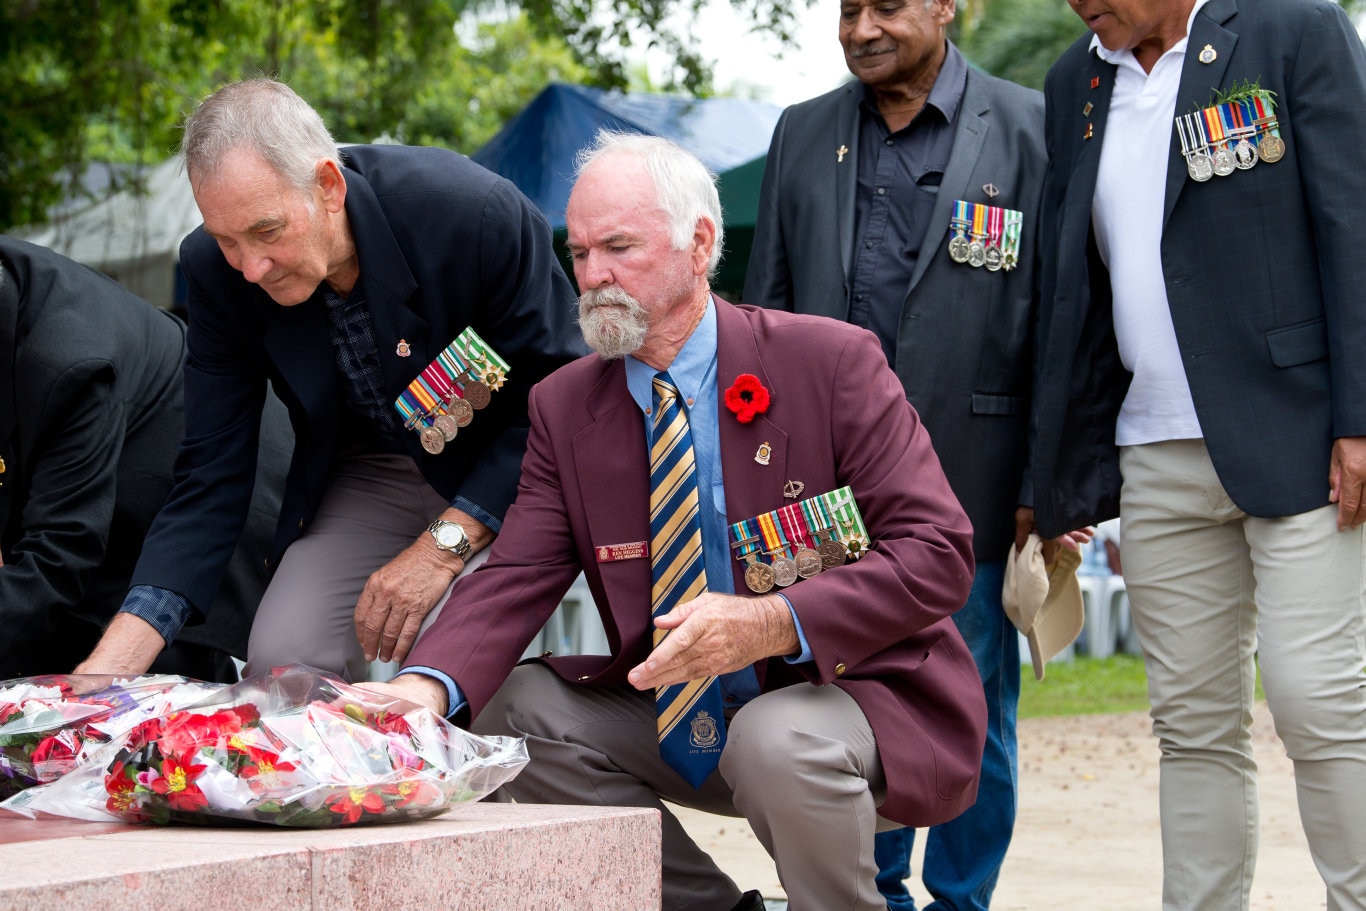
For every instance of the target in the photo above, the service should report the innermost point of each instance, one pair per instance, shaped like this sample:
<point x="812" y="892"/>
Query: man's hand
<point x="403" y="591"/>
<point x="418" y="689"/>
<point x="128" y="647"/>
<point x="1347" y="480"/>
<point x="1072" y="540"/>
<point x="716" y="634"/>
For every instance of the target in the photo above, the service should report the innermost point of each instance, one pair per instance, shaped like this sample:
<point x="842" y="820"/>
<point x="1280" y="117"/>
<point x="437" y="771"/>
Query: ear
<point x="944" y="11"/>
<point x="331" y="185"/>
<point x="703" y="240"/>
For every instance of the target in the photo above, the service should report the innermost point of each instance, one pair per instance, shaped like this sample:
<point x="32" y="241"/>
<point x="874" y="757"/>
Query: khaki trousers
<point x="800" y="764"/>
<point x="1210" y="587"/>
<point x="376" y="506"/>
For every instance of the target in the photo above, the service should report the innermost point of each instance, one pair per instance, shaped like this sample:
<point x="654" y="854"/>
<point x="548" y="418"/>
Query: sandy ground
<point x="1087" y="833"/>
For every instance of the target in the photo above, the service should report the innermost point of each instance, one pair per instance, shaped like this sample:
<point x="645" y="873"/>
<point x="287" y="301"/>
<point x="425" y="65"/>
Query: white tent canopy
<point x="133" y="237"/>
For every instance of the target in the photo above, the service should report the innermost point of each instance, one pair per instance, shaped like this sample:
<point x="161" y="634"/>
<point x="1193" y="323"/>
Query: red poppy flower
<point x="423" y="793"/>
<point x="353" y="802"/>
<point x="390" y="723"/>
<point x="747" y="397"/>
<point x="55" y="748"/>
<point x="177" y="785"/>
<point x="121" y="788"/>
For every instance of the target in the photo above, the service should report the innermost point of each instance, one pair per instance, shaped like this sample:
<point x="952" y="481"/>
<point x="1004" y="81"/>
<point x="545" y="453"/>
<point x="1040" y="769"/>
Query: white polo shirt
<point x="1127" y="217"/>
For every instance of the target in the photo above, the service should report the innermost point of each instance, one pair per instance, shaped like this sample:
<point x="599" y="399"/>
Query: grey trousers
<point x="800" y="764"/>
<point x="1210" y="587"/>
<point x="377" y="505"/>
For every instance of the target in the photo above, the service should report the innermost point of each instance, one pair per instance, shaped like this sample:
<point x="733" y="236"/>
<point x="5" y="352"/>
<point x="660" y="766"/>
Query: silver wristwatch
<point x="450" y="536"/>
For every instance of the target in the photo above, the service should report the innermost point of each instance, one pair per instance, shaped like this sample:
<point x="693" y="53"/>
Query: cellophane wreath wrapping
<point x="49" y="725"/>
<point x="290" y="747"/>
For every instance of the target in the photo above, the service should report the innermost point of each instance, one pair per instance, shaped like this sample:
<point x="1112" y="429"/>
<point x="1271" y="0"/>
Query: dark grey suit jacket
<point x="91" y="412"/>
<point x="1264" y="271"/>
<point x="965" y="339"/>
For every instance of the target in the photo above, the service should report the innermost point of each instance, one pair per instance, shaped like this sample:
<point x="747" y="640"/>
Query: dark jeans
<point x="963" y="857"/>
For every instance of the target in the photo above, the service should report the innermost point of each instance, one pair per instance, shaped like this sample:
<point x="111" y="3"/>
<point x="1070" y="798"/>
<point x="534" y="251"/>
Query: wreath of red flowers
<point x="747" y="397"/>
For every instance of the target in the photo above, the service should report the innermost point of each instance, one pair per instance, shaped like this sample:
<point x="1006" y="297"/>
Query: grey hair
<point x="685" y="189"/>
<point x="268" y="118"/>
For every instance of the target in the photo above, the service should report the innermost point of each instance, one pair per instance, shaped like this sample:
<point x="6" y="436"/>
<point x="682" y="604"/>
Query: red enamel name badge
<point x="635" y="550"/>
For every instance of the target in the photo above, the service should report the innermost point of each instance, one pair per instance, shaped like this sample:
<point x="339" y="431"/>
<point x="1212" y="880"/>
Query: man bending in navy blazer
<point x="338" y="277"/>
<point x="844" y="699"/>
<point x="1203" y="373"/>
<point x="870" y="199"/>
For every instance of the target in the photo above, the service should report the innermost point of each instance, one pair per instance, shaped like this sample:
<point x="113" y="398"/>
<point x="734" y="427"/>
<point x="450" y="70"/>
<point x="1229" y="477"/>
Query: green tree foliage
<point x="601" y="31"/>
<point x="109" y="80"/>
<point x="1020" y="39"/>
<point x="1017" y="39"/>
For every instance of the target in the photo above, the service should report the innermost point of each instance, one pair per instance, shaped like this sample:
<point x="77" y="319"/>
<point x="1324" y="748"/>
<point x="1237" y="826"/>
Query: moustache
<point x="869" y="50"/>
<point x="597" y="298"/>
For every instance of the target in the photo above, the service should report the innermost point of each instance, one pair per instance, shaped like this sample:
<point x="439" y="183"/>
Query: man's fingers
<point x="406" y="636"/>
<point x="370" y="620"/>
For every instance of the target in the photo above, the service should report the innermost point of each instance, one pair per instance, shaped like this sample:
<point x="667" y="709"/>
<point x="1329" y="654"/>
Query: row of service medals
<point x="1232" y="136"/>
<point x="985" y="236"/>
<point x="445" y="396"/>
<point x="799" y="540"/>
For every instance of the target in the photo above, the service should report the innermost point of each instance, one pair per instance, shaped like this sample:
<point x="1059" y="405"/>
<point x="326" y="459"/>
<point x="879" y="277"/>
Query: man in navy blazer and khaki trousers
<point x="1203" y="372"/>
<point x="336" y="277"/>
<point x="851" y="699"/>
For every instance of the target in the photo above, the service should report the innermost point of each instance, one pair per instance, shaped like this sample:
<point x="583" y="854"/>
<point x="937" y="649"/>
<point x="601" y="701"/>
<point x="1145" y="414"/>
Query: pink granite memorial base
<point x="477" y="856"/>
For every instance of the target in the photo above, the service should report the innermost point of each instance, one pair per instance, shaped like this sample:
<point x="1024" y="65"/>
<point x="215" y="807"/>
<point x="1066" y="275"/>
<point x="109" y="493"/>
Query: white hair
<point x="685" y="188"/>
<point x="268" y="118"/>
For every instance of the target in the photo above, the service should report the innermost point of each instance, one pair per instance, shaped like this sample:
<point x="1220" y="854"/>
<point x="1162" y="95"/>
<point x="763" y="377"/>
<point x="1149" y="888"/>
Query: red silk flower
<point x="747" y="397"/>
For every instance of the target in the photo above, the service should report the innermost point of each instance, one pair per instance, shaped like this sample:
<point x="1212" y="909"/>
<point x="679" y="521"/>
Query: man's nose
<point x="255" y="267"/>
<point x="864" y="27"/>
<point x="592" y="271"/>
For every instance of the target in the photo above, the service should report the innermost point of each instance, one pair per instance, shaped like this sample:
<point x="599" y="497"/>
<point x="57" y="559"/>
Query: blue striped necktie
<point x="692" y="729"/>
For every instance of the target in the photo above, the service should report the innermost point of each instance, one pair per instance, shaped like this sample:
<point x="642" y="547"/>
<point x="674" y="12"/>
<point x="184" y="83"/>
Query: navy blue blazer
<point x="1263" y="270"/>
<point x="443" y="244"/>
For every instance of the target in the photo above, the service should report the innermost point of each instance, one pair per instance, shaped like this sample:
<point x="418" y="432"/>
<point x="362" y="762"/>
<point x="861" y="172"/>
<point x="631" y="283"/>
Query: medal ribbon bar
<point x="830" y="525"/>
<point x="428" y="402"/>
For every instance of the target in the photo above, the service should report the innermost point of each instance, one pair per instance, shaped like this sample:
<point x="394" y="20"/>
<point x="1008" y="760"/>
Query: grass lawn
<point x="1088" y="686"/>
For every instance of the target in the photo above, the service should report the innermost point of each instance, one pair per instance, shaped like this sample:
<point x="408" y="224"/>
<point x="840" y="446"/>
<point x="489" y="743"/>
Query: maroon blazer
<point x="878" y="628"/>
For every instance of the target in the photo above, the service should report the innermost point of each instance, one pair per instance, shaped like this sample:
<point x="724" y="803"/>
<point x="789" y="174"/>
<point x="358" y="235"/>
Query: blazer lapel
<point x="846" y="175"/>
<point x="1199" y="84"/>
<point x="753" y="481"/>
<point x="613" y="463"/>
<point x="307" y="367"/>
<point x="1090" y="129"/>
<point x="969" y="137"/>
<point x="389" y="287"/>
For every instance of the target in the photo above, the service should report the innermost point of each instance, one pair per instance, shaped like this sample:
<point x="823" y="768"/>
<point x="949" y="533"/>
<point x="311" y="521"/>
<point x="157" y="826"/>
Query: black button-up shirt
<point x="898" y="181"/>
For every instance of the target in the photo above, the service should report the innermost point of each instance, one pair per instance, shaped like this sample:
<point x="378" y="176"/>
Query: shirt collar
<point x="689" y="367"/>
<point x="947" y="93"/>
<point x="1126" y="55"/>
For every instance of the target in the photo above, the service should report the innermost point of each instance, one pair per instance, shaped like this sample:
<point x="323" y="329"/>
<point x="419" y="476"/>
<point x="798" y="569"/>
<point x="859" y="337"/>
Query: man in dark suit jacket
<point x="854" y="223"/>
<point x="339" y="277"/>
<point x="849" y="697"/>
<point x="1203" y="338"/>
<point x="89" y="423"/>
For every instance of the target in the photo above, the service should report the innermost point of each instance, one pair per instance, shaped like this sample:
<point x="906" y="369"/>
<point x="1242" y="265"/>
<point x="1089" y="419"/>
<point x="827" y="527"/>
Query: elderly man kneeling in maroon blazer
<point x="710" y="449"/>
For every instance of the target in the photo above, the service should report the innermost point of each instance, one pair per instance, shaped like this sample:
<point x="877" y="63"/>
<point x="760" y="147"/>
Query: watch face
<point x="449" y="536"/>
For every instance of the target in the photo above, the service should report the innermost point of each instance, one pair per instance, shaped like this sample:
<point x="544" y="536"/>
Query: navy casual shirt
<point x="898" y="181"/>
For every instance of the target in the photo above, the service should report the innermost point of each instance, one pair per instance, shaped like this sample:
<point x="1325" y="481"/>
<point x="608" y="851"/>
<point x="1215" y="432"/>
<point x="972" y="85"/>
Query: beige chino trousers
<point x="1212" y="589"/>
<point x="375" y="507"/>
